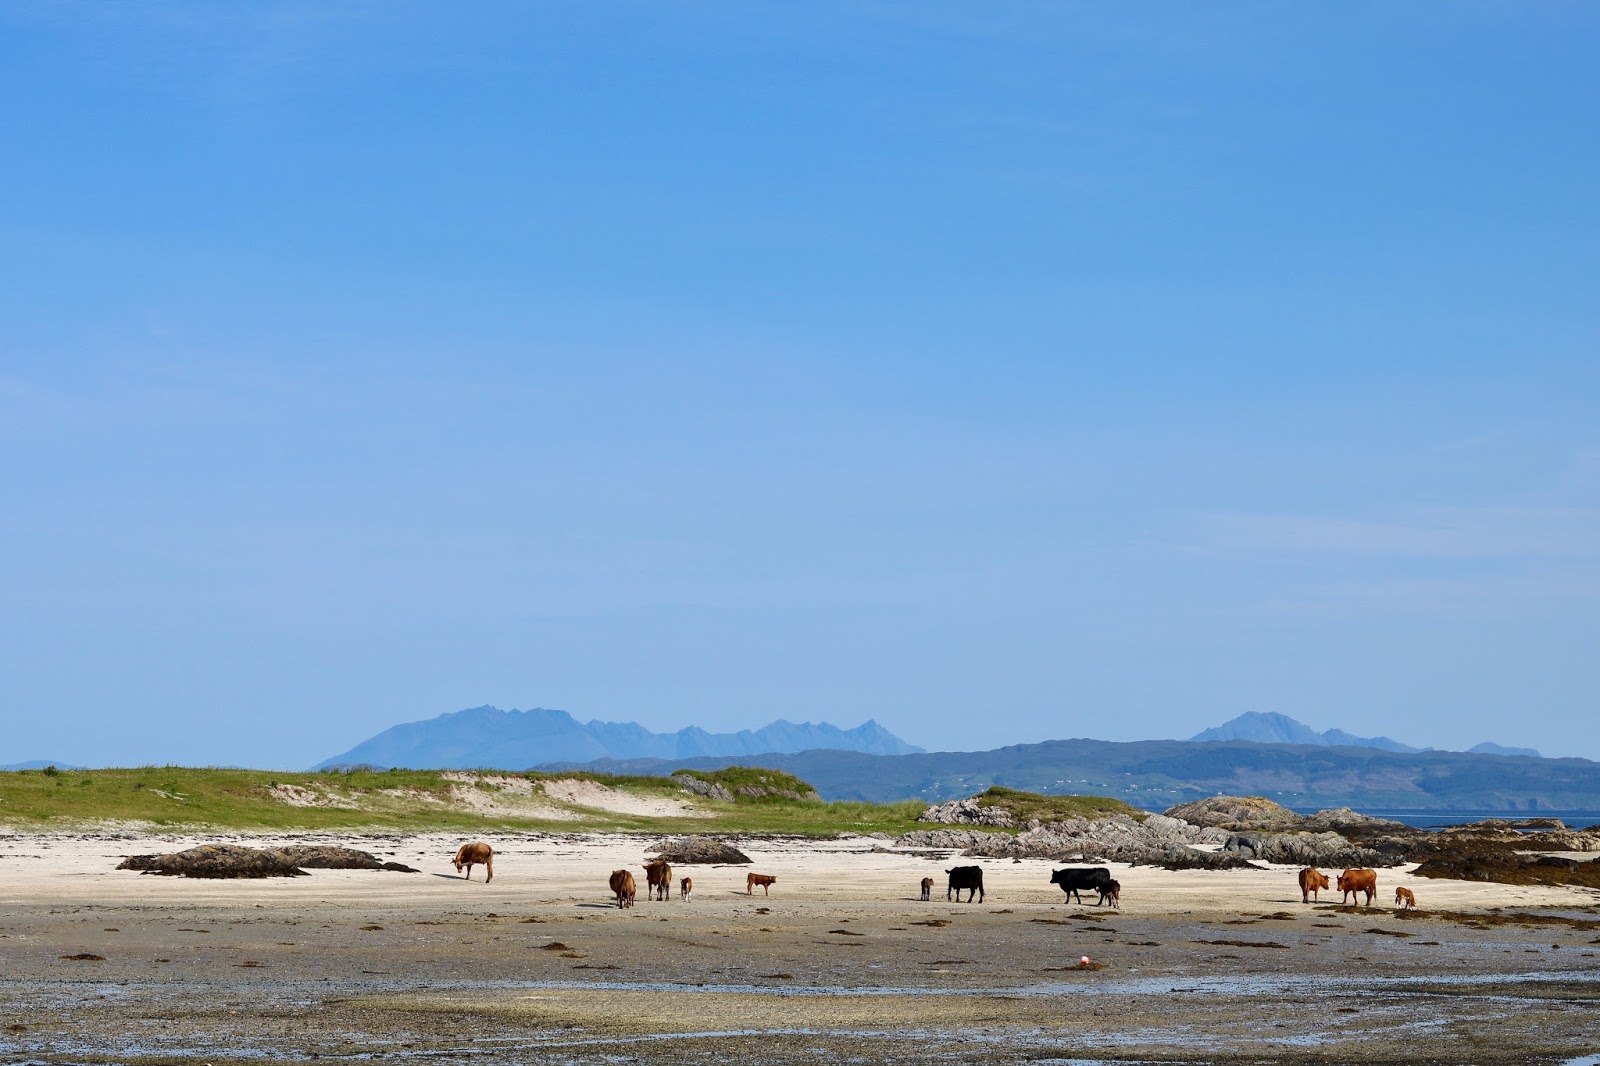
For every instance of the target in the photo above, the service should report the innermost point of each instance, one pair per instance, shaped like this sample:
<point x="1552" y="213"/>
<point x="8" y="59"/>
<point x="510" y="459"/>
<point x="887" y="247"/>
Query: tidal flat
<point x="841" y="962"/>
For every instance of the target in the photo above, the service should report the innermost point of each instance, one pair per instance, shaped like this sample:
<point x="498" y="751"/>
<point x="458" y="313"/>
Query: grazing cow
<point x="1354" y="882"/>
<point x="659" y="880"/>
<point x="1311" y="879"/>
<point x="623" y="887"/>
<point x="927" y="888"/>
<point x="1404" y="899"/>
<point x="766" y="881"/>
<point x="1077" y="878"/>
<point x="1111" y="892"/>
<point x="685" y="887"/>
<point x="476" y="854"/>
<point x="965" y="877"/>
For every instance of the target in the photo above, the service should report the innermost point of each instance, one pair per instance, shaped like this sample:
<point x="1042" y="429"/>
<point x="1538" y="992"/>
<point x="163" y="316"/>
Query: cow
<point x="965" y="877"/>
<point x="658" y="876"/>
<point x="1076" y="878"/>
<point x="1404" y="899"/>
<point x="476" y="854"/>
<point x="766" y="881"/>
<point x="1311" y="880"/>
<point x="927" y="888"/>
<point x="623" y="887"/>
<point x="1111" y="892"/>
<point x="1356" y="882"/>
<point x="685" y="887"/>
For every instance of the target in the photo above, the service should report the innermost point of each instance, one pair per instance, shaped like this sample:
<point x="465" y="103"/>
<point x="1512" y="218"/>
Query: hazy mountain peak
<point x="1273" y="728"/>
<point x="1489" y="747"/>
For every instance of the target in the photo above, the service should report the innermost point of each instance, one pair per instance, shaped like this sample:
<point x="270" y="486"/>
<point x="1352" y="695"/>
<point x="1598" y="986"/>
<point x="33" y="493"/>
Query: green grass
<point x="1025" y="806"/>
<point x="406" y="800"/>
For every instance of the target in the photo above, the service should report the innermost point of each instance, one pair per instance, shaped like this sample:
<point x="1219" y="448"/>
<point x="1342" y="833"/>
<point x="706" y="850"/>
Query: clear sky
<point x="1000" y="372"/>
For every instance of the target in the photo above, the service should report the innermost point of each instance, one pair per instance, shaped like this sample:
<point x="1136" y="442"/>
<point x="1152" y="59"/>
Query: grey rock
<point x="708" y="789"/>
<point x="1303" y="849"/>
<point x="216" y="861"/>
<point x="697" y="851"/>
<point x="968" y="812"/>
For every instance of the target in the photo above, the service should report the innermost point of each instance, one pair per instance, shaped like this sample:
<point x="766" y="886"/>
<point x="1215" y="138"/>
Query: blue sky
<point x="1038" y="371"/>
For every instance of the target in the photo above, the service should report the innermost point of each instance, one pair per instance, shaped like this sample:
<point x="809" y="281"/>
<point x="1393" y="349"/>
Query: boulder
<point x="697" y="851"/>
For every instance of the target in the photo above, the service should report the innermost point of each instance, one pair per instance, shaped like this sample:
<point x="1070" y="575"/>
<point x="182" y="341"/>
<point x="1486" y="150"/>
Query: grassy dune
<point x="1028" y="805"/>
<point x="419" y="800"/>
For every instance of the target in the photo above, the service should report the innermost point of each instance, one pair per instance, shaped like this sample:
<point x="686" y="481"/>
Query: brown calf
<point x="685" y="887"/>
<point x="1404" y="899"/>
<point x="927" y="888"/>
<point x="766" y="881"/>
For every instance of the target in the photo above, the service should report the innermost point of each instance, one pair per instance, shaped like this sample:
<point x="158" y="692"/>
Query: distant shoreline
<point x="1425" y="818"/>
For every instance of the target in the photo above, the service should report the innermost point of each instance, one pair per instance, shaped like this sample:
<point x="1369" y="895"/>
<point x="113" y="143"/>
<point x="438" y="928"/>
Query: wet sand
<point x="841" y="961"/>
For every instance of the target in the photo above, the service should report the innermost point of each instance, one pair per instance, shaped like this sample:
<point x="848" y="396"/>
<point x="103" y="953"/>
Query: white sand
<point x="531" y="870"/>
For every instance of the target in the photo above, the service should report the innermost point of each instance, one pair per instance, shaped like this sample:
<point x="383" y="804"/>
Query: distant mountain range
<point x="1270" y="728"/>
<point x="517" y="740"/>
<point x="39" y="764"/>
<point x="1155" y="774"/>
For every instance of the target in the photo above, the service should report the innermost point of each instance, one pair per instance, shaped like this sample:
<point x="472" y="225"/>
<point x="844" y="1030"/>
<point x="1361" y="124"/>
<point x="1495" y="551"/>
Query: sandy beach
<point x="842" y="959"/>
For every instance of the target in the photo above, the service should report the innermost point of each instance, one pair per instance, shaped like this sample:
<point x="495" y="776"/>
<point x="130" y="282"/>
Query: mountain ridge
<point x="516" y="740"/>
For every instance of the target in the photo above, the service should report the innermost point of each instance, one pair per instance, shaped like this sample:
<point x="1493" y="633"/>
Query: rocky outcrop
<point x="697" y="850"/>
<point x="1236" y="813"/>
<point x="760" y="791"/>
<point x="215" y="860"/>
<point x="1303" y="849"/>
<point x="1116" y="838"/>
<point x="953" y="839"/>
<point x="1514" y="869"/>
<point x="967" y="812"/>
<point x="233" y="861"/>
<point x="324" y="857"/>
<point x="1344" y="820"/>
<point x="707" y="789"/>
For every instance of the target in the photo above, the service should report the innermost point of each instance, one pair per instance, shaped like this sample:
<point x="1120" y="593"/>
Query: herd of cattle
<point x="968" y="879"/>
<point x="1352" y="883"/>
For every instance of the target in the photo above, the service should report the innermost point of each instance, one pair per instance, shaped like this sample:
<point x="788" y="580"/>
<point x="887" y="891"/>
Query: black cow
<point x="1091" y="878"/>
<point x="967" y="877"/>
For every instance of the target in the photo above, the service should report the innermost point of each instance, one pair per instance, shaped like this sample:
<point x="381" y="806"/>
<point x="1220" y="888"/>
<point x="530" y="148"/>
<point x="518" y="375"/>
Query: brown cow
<point x="1311" y="879"/>
<point x="658" y="876"/>
<point x="1111" y="892"/>
<point x="766" y="881"/>
<point x="927" y="888"/>
<point x="622" y="886"/>
<point x="476" y="854"/>
<point x="685" y="887"/>
<point x="1355" y="882"/>
<point x="1404" y="899"/>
